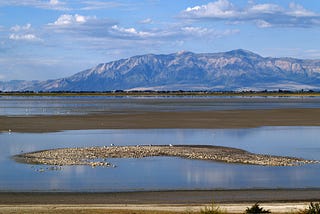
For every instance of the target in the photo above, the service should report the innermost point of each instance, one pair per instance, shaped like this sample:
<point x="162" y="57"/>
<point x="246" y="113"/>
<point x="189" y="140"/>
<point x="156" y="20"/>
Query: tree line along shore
<point x="281" y="93"/>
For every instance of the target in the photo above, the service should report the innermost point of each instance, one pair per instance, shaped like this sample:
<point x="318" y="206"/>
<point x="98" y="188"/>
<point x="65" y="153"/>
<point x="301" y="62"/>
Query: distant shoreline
<point x="277" y="93"/>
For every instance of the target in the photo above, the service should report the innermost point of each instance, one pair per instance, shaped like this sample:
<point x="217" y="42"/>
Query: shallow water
<point x="163" y="173"/>
<point x="61" y="105"/>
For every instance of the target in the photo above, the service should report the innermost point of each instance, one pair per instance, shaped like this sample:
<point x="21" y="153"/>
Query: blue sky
<point x="47" y="39"/>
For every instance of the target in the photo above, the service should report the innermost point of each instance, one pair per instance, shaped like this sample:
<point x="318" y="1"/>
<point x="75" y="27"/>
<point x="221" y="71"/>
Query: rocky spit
<point x="97" y="156"/>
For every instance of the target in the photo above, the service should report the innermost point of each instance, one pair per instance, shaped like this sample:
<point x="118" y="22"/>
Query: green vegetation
<point x="314" y="208"/>
<point x="213" y="209"/>
<point x="255" y="209"/>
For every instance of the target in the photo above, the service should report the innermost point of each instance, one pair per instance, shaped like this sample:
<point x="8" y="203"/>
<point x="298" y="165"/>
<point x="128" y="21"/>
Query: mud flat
<point x="154" y="120"/>
<point x="97" y="156"/>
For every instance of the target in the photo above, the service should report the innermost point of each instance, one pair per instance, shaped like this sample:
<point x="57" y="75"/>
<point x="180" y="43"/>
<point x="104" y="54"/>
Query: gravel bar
<point x="97" y="156"/>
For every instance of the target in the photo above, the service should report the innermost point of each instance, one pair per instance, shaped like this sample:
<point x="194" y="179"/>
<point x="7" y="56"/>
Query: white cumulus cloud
<point x="263" y="15"/>
<point x="23" y="32"/>
<point x="25" y="37"/>
<point x="218" y="9"/>
<point x="67" y="19"/>
<point x="130" y="32"/>
<point x="18" y="28"/>
<point x="80" y="26"/>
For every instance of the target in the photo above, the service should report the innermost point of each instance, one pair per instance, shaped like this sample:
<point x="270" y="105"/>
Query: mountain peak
<point x="242" y="52"/>
<point x="184" y="52"/>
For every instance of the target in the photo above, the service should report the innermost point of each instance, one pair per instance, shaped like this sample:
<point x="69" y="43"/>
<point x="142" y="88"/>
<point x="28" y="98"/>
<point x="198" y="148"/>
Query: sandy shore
<point x="150" y="208"/>
<point x="138" y="120"/>
<point x="234" y="201"/>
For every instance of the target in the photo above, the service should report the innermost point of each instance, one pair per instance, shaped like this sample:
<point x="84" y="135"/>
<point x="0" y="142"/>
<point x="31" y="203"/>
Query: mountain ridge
<point x="232" y="70"/>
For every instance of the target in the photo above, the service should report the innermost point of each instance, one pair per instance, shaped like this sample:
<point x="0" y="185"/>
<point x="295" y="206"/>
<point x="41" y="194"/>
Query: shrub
<point x="256" y="209"/>
<point x="314" y="208"/>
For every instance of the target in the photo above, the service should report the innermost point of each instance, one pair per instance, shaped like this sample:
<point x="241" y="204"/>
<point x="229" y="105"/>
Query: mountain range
<point x="233" y="70"/>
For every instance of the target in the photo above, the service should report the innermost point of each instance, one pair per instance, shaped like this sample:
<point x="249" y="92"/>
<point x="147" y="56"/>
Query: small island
<point x="97" y="156"/>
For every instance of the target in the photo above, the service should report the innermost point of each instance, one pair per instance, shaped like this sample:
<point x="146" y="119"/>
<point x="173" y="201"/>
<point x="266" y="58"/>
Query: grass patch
<point x="213" y="209"/>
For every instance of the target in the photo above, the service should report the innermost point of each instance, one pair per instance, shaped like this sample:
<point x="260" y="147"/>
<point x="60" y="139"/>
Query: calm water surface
<point x="163" y="173"/>
<point x="60" y="105"/>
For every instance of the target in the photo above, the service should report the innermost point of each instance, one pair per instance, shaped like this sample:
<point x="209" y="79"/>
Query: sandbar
<point x="159" y="120"/>
<point x="98" y="156"/>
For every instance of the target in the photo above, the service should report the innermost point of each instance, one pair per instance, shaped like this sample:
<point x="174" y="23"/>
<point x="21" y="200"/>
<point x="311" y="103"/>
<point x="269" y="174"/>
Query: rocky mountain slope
<point x="233" y="70"/>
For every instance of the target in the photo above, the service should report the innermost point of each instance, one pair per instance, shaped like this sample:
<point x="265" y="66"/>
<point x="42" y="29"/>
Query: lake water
<point x="60" y="105"/>
<point x="163" y="173"/>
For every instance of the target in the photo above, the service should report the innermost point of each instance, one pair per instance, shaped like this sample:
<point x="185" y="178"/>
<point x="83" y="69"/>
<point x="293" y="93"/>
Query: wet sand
<point x="145" y="120"/>
<point x="162" y="197"/>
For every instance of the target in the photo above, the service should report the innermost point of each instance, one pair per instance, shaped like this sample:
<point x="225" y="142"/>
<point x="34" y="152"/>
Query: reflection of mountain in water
<point x="183" y="173"/>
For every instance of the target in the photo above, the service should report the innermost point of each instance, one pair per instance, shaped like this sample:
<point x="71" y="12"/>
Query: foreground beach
<point x="288" y="208"/>
<point x="233" y="201"/>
